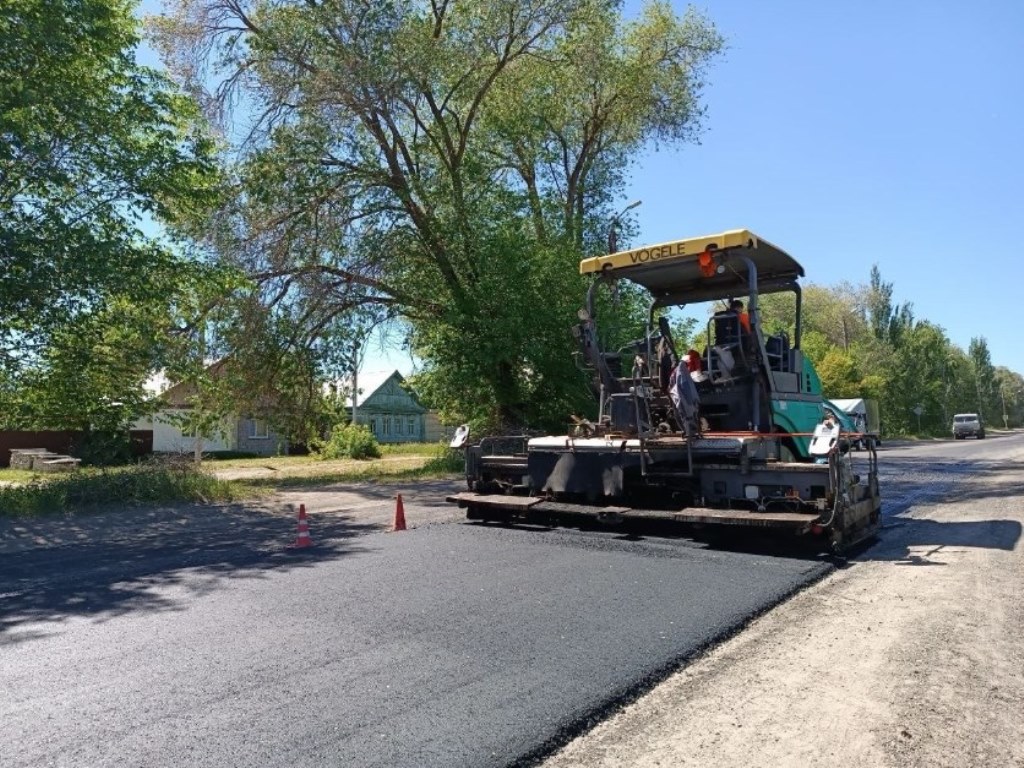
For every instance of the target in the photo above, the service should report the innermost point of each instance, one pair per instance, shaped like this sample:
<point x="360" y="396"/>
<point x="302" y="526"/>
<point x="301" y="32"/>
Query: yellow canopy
<point x="675" y="268"/>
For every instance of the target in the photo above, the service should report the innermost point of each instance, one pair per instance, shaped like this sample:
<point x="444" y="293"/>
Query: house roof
<point x="177" y="392"/>
<point x="369" y="383"/>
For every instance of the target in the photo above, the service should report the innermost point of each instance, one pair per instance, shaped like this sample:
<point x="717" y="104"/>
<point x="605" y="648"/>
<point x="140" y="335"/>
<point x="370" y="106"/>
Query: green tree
<point x="91" y="145"/>
<point x="880" y="308"/>
<point x="92" y="375"/>
<point x="888" y="321"/>
<point x="985" y="385"/>
<point x="839" y="374"/>
<point x="916" y="379"/>
<point x="447" y="163"/>
<point x="1010" y="386"/>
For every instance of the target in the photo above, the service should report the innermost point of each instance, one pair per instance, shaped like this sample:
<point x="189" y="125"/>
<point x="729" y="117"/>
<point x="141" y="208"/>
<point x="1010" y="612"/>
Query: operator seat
<point x="727" y="343"/>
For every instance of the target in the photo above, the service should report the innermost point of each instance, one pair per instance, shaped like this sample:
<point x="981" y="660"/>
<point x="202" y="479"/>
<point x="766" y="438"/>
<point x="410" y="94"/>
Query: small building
<point x="435" y="431"/>
<point x="242" y="432"/>
<point x="388" y="407"/>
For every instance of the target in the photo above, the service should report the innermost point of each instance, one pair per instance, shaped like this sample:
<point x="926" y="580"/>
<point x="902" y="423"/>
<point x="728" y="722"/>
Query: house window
<point x="259" y="429"/>
<point x="398" y="425"/>
<point x="412" y="427"/>
<point x="386" y="420"/>
<point x="373" y="426"/>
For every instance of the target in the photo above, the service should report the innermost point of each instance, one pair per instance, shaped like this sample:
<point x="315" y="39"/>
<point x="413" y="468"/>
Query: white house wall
<point x="167" y="437"/>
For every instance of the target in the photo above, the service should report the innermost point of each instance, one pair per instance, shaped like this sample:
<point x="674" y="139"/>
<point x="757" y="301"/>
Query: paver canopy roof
<point x="701" y="268"/>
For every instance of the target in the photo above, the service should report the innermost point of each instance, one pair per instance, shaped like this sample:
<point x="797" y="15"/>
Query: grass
<point x="8" y="475"/>
<point x="410" y="449"/>
<point x="284" y="463"/>
<point x="177" y="480"/>
<point x="150" y="482"/>
<point x="443" y="463"/>
<point x="274" y="462"/>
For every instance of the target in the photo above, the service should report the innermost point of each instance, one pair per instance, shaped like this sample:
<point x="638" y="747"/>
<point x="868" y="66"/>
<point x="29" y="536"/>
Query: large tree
<point x="92" y="145"/>
<point x="447" y="163"/>
<point x="1010" y="387"/>
<point x="987" y="396"/>
<point x="889" y="321"/>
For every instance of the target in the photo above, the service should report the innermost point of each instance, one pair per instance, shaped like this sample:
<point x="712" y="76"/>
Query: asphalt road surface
<point x="450" y="644"/>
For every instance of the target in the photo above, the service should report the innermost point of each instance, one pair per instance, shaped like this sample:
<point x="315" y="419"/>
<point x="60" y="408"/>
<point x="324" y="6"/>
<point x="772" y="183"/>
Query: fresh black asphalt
<point x="447" y="645"/>
<point x="442" y="646"/>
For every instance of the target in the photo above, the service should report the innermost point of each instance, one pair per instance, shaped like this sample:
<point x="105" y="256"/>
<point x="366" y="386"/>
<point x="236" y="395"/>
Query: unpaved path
<point x="273" y="469"/>
<point x="336" y="509"/>
<point x="911" y="656"/>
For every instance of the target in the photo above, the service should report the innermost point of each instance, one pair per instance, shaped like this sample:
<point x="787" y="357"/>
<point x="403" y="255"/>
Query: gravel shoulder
<point x="911" y="656"/>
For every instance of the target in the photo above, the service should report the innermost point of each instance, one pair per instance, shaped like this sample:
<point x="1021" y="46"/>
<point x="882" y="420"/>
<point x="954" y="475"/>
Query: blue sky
<point x="853" y="133"/>
<point x="862" y="132"/>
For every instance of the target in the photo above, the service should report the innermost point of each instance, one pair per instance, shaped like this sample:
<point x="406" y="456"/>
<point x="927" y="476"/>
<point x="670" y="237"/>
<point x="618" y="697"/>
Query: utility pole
<point x="355" y="378"/>
<point x="198" y="445"/>
<point x="613" y="239"/>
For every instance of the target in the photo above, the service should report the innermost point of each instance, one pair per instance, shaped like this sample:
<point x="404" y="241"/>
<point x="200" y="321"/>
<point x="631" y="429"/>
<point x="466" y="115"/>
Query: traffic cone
<point x="399" y="515"/>
<point x="303" y="540"/>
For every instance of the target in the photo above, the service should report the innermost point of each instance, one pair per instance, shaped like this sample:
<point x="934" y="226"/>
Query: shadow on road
<point x="681" y="536"/>
<point x="909" y="482"/>
<point x="124" y="563"/>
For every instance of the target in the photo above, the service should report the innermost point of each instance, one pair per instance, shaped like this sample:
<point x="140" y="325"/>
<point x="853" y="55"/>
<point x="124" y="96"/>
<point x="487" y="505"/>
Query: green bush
<point x="32" y="498"/>
<point x="154" y="481"/>
<point x="103" y="448"/>
<point x="229" y="455"/>
<point x="447" y="460"/>
<point x="348" y="441"/>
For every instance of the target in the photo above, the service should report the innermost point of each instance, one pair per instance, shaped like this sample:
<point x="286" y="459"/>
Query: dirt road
<point x="911" y="656"/>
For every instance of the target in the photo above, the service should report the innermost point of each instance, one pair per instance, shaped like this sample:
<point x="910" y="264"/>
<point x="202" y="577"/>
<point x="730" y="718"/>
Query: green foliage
<point x="889" y="322"/>
<point x="273" y="371"/>
<point x="231" y="455"/>
<point x="351" y="441"/>
<point x="1009" y="386"/>
<point x="104" y="448"/>
<point x="985" y="384"/>
<point x="445" y="164"/>
<point x="91" y="146"/>
<point x="684" y="332"/>
<point x="446" y="461"/>
<point x="864" y="343"/>
<point x="916" y="379"/>
<point x="150" y="482"/>
<point x="839" y="375"/>
<point x="816" y="347"/>
<point x="36" y="497"/>
<point x="412" y="449"/>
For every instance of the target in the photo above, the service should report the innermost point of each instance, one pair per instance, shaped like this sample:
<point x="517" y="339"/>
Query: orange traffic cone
<point x="303" y="540"/>
<point x="399" y="515"/>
